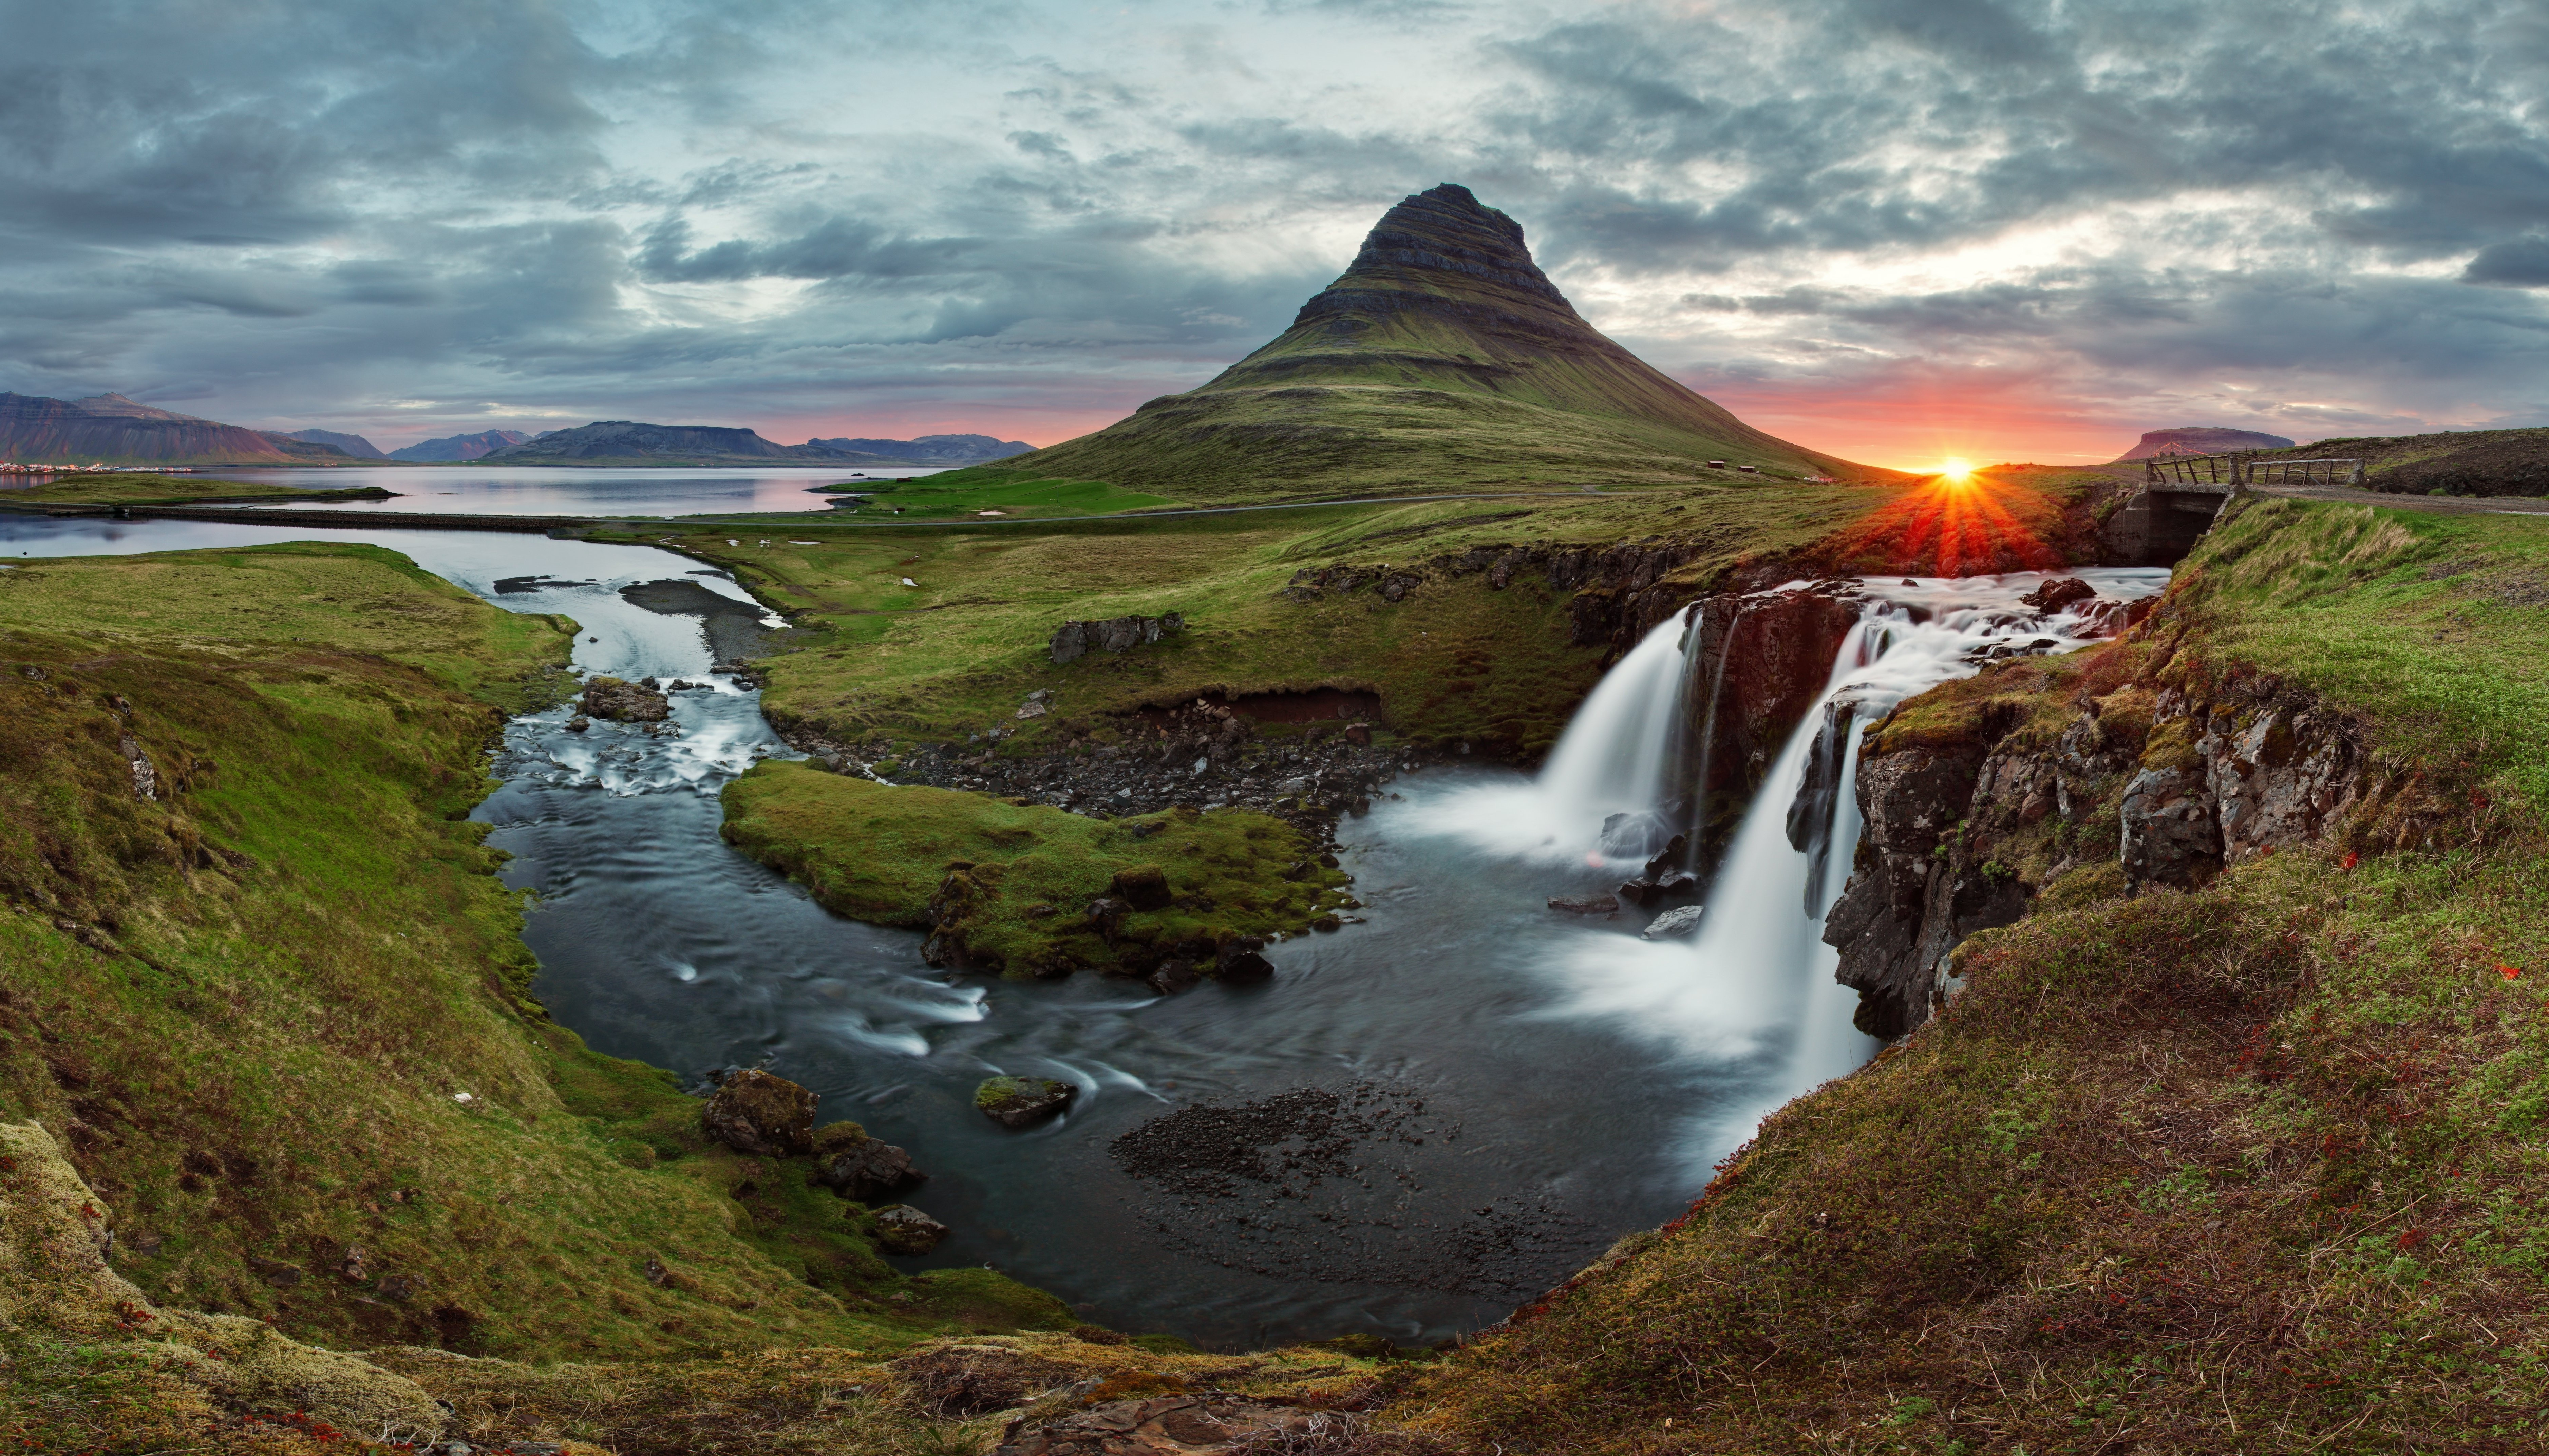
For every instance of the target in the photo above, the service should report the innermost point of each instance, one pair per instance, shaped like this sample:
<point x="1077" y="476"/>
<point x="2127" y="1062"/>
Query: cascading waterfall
<point x="1753" y="987"/>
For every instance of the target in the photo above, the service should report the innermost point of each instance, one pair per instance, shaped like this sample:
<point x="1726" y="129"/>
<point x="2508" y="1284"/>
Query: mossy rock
<point x="1023" y="1101"/>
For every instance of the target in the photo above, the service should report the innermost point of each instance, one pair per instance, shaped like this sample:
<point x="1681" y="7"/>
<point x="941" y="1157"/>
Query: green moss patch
<point x="1008" y="887"/>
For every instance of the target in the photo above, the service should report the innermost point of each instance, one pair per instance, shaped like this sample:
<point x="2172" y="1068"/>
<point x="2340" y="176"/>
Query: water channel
<point x="1532" y="1084"/>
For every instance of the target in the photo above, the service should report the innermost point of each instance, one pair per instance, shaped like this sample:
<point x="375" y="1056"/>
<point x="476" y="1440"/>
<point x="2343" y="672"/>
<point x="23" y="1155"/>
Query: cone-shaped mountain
<point x="1442" y="356"/>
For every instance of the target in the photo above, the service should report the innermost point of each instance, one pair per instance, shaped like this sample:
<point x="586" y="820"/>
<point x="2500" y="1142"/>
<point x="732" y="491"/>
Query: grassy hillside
<point x="2256" y="1167"/>
<point x="255" y="956"/>
<point x="2458" y="462"/>
<point x="1441" y="358"/>
<point x="959" y="649"/>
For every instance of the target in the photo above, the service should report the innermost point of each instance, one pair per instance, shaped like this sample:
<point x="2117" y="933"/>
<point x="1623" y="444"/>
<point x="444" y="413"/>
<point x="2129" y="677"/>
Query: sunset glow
<point x="1955" y="471"/>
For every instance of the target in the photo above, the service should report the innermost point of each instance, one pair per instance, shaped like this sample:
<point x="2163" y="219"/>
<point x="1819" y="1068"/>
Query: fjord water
<point x="560" y="489"/>
<point x="1575" y="1082"/>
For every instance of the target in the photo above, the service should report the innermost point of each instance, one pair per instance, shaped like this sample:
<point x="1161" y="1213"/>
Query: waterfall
<point x="1753" y="987"/>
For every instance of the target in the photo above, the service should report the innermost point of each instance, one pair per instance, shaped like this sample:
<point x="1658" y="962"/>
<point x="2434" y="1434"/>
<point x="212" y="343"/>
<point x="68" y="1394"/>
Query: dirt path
<point x="2438" y="505"/>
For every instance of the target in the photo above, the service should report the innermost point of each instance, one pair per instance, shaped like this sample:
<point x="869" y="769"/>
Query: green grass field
<point x="164" y="490"/>
<point x="965" y="493"/>
<point x="957" y="650"/>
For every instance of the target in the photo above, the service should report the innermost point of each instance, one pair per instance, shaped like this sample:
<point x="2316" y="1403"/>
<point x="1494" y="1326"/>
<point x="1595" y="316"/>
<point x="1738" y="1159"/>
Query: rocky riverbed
<point x="1201" y="755"/>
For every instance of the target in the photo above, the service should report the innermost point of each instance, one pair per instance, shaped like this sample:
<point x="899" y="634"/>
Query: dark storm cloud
<point x="719" y="209"/>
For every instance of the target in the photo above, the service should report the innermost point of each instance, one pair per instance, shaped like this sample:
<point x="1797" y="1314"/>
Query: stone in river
<point x="1587" y="904"/>
<point x="1239" y="964"/>
<point x="1023" y="1101"/>
<point x="905" y="1230"/>
<point x="855" y="1165"/>
<point x="1681" y="919"/>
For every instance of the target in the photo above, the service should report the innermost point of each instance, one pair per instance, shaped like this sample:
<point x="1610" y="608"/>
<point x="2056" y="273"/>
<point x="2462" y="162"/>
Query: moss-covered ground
<point x="2257" y="1167"/>
<point x="266" y="992"/>
<point x="123" y="489"/>
<point x="1008" y="886"/>
<point x="952" y="494"/>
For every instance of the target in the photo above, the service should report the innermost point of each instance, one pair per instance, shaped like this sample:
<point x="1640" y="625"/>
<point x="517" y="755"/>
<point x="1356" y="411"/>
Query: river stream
<point x="1512" y="1088"/>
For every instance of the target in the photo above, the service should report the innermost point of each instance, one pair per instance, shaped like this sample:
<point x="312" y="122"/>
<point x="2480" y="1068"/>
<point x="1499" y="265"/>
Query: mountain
<point x="1442" y="356"/>
<point x="930" y="450"/>
<point x="108" y="429"/>
<point x="624" y="441"/>
<point x="2201" y="439"/>
<point x="351" y="444"/>
<point x="459" y="447"/>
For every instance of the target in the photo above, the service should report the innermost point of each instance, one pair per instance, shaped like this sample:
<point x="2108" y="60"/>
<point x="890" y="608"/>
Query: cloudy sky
<point x="1895" y="229"/>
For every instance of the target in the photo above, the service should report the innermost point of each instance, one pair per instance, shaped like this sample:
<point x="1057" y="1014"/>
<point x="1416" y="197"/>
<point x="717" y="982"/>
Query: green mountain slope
<point x="1442" y="357"/>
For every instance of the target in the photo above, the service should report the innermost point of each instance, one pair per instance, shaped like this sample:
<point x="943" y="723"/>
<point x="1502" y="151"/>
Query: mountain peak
<point x="1441" y="356"/>
<point x="1442" y="239"/>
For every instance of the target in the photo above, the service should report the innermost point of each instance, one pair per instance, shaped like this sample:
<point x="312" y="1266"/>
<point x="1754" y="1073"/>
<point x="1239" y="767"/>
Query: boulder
<point x="756" y="1113"/>
<point x="2057" y="593"/>
<point x="626" y="702"/>
<point x="905" y="1230"/>
<point x="1639" y="891"/>
<point x="1681" y="919"/>
<point x="1239" y="963"/>
<point x="1023" y="1101"/>
<point x="855" y="1165"/>
<point x="1143" y="887"/>
<point x="1174" y="975"/>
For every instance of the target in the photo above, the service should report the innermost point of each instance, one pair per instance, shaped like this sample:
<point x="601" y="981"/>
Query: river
<point x="1515" y="1089"/>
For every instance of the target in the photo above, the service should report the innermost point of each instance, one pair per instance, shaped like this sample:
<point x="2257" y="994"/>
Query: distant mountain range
<point x="629" y="442"/>
<point x="1442" y="357"/>
<point x="108" y="429"/>
<point x="2201" y="440"/>
<point x="459" y="447"/>
<point x="352" y="444"/>
<point x="930" y="450"/>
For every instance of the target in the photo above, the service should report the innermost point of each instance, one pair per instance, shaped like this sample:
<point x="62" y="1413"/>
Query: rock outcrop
<point x="1074" y="639"/>
<point x="2167" y="783"/>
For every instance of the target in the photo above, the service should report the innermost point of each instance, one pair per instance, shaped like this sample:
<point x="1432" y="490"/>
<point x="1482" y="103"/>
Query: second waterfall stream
<point x="1751" y="996"/>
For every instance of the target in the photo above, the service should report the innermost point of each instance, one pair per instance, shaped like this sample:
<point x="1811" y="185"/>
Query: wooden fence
<point x="2226" y="472"/>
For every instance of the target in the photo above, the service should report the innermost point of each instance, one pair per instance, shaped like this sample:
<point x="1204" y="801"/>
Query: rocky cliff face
<point x="2151" y="781"/>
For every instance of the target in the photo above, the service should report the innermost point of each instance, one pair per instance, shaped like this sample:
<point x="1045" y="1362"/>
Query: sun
<point x="1955" y="471"/>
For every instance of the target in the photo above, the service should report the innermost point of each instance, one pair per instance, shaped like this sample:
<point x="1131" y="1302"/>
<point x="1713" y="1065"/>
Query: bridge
<point x="2181" y="494"/>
